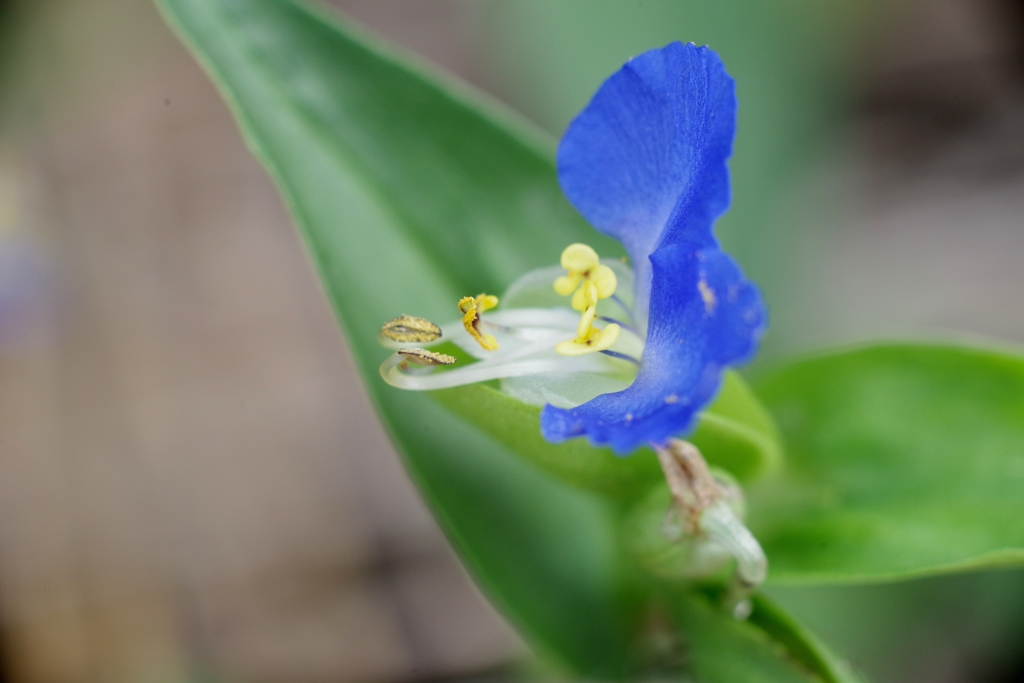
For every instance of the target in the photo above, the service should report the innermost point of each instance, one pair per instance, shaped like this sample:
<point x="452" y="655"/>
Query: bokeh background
<point x="192" y="485"/>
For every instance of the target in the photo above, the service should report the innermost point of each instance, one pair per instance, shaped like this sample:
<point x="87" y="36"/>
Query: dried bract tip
<point x="409" y="329"/>
<point x="704" y="502"/>
<point x="693" y="487"/>
<point x="425" y="357"/>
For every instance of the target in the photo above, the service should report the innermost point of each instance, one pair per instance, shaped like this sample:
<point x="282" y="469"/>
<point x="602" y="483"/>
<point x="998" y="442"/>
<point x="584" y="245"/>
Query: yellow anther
<point x="579" y="257"/>
<point x="471" y="308"/>
<point x="567" y="284"/>
<point x="589" y="339"/>
<point x="583" y="266"/>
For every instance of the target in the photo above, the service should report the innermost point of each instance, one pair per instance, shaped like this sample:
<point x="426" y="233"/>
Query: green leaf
<point x="902" y="460"/>
<point x="410" y="192"/>
<point x="975" y="617"/>
<point x="799" y="643"/>
<point x="735" y="433"/>
<point x="517" y="425"/>
<point x="767" y="648"/>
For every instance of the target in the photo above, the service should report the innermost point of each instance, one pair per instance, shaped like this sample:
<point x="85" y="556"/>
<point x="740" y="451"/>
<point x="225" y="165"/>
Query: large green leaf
<point x="575" y="462"/>
<point x="902" y="460"/>
<point x="735" y="433"/>
<point x="411" y="193"/>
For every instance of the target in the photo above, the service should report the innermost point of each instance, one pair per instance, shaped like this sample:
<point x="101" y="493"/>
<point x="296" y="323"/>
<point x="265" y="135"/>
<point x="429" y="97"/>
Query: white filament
<point x="479" y="372"/>
<point x="532" y="319"/>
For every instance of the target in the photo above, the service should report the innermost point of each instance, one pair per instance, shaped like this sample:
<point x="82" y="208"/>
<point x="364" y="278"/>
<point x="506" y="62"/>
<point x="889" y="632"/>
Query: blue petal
<point x="645" y="162"/>
<point x="704" y="316"/>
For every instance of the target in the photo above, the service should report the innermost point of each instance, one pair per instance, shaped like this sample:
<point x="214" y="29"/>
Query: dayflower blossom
<point x="625" y="357"/>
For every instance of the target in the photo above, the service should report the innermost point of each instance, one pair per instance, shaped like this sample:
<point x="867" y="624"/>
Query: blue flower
<point x="645" y="163"/>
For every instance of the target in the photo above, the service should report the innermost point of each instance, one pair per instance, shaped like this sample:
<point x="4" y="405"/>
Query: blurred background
<point x="192" y="485"/>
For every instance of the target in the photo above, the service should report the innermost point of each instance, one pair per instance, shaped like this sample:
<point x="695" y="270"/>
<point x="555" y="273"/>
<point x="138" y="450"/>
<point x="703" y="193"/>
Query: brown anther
<point x="425" y="357"/>
<point x="408" y="329"/>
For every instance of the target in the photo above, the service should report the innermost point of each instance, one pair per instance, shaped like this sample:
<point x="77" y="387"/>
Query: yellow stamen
<point x="589" y="339"/>
<point x="585" y="297"/>
<point x="584" y="266"/>
<point x="471" y="308"/>
<point x="586" y="324"/>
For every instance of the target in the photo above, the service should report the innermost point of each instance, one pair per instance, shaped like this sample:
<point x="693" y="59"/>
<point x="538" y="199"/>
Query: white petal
<point x="535" y="289"/>
<point x="563" y="390"/>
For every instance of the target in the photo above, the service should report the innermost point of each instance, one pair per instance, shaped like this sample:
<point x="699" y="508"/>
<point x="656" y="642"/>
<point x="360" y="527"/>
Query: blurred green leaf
<point x="737" y="434"/>
<point x="799" y="643"/>
<point x="410" y="193"/>
<point x="902" y="460"/>
<point x="767" y="648"/>
<point x="974" y="619"/>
